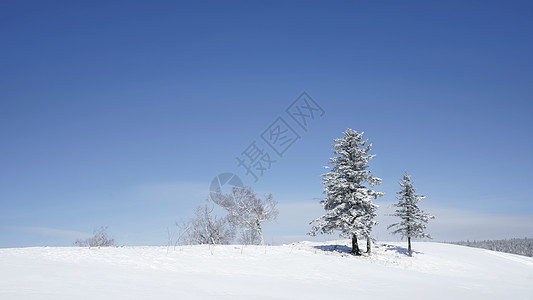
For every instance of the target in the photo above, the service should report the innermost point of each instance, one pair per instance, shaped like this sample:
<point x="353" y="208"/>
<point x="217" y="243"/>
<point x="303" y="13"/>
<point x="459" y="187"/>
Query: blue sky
<point x="121" y="113"/>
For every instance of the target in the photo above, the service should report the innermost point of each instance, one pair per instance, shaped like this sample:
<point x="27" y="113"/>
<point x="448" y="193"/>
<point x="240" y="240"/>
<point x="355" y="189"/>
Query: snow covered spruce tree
<point x="414" y="219"/>
<point x="348" y="202"/>
<point x="248" y="211"/>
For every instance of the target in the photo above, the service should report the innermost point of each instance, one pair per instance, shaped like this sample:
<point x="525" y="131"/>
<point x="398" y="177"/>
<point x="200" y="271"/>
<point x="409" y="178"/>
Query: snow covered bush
<point x="206" y="228"/>
<point x="99" y="239"/>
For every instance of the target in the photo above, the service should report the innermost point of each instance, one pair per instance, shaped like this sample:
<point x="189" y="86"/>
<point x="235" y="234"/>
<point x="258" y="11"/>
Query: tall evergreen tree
<point x="414" y="219"/>
<point x="348" y="202"/>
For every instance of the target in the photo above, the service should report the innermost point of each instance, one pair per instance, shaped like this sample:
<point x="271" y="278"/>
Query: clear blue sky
<point x="121" y="113"/>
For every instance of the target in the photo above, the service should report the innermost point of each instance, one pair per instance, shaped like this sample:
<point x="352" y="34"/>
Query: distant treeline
<point x="516" y="246"/>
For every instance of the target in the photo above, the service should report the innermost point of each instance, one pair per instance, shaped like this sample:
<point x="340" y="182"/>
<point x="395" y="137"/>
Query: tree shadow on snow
<point x="400" y="250"/>
<point x="334" y="248"/>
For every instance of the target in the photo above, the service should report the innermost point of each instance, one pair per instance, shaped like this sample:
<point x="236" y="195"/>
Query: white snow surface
<point x="303" y="270"/>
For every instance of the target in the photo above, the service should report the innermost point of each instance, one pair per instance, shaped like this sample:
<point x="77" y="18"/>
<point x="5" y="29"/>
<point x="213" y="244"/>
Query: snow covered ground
<point x="301" y="270"/>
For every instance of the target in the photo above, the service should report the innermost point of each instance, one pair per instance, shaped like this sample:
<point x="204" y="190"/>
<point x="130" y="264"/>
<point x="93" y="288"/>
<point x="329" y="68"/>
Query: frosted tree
<point x="99" y="239"/>
<point x="348" y="202"/>
<point x="516" y="246"/>
<point x="248" y="211"/>
<point x="414" y="219"/>
<point x="206" y="228"/>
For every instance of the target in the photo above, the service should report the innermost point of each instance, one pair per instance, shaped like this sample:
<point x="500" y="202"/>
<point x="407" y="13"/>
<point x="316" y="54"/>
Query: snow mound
<point x="302" y="270"/>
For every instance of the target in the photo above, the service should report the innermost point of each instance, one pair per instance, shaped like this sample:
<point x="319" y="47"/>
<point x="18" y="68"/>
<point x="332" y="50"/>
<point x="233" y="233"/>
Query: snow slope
<point x="301" y="270"/>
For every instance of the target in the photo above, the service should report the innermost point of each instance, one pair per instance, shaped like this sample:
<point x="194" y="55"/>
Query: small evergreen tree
<point x="348" y="203"/>
<point x="414" y="219"/>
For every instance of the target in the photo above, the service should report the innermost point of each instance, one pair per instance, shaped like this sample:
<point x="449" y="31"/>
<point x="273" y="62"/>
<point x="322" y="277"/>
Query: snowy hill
<point x="301" y="270"/>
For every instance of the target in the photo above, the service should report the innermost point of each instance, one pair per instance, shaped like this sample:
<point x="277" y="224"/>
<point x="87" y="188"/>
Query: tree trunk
<point x="368" y="246"/>
<point x="355" y="246"/>
<point x="409" y="245"/>
<point x="260" y="231"/>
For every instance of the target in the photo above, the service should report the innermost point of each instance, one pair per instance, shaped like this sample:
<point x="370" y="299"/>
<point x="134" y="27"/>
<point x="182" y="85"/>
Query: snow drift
<point x="301" y="270"/>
